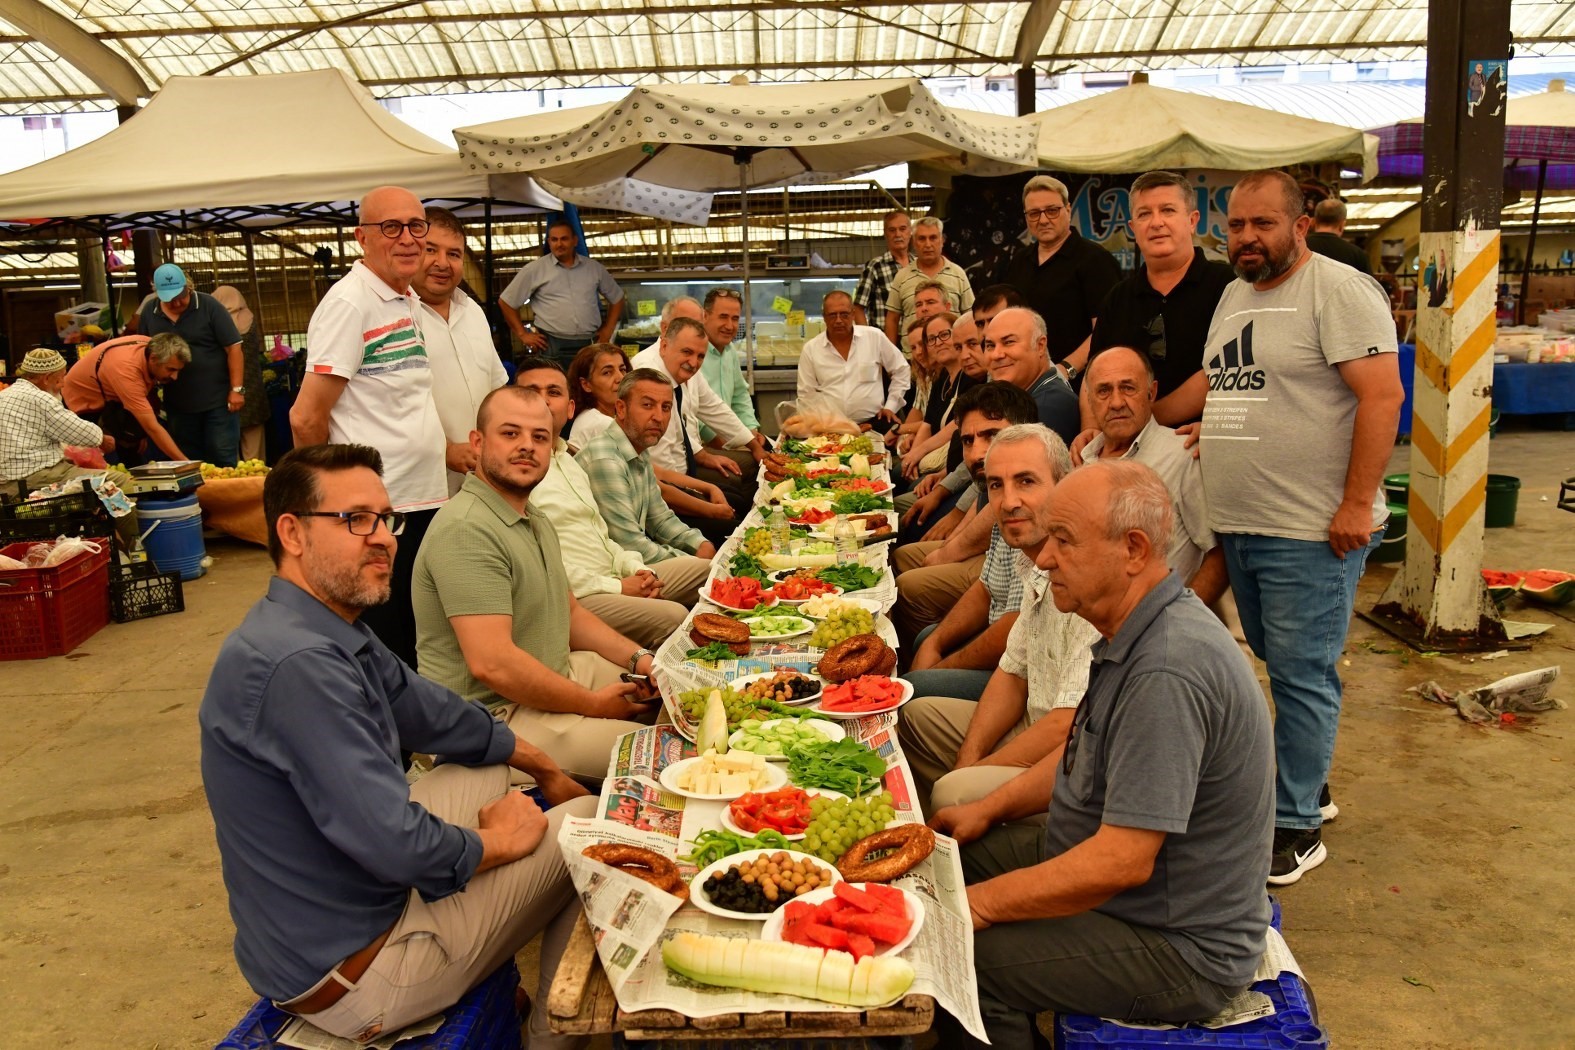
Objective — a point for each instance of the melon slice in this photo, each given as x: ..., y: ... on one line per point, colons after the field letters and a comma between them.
x: 791, y: 969
x: 1548, y: 586
x: 1502, y: 586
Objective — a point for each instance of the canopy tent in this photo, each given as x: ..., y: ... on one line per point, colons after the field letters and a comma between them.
x: 1538, y: 130
x: 664, y: 150
x: 295, y: 147
x: 1141, y: 127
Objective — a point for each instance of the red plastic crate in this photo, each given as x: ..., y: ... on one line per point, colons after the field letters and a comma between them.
x: 49, y: 612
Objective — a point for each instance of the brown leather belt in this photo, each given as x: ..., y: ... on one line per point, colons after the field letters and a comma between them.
x: 332, y: 991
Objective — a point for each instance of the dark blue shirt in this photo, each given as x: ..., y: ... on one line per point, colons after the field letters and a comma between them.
x: 1057, y: 405
x: 302, y: 725
x: 208, y: 329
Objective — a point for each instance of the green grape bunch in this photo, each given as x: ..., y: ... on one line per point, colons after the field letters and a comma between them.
x: 837, y: 823
x: 842, y: 625
x: 757, y: 542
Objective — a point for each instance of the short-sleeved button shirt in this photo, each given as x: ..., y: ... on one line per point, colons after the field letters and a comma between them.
x: 1066, y: 289
x: 481, y: 557
x: 906, y: 282
x: 564, y: 298
x: 1175, y: 345
x: 208, y: 329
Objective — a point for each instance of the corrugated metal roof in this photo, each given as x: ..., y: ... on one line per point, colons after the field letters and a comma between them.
x: 480, y: 45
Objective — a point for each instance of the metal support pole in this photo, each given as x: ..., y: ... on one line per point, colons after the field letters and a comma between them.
x: 145, y: 256
x: 749, y: 324
x: 1027, y: 85
x: 251, y: 268
x: 1437, y: 600
x: 1531, y: 240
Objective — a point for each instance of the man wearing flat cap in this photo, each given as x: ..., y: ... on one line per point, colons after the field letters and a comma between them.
x: 35, y: 425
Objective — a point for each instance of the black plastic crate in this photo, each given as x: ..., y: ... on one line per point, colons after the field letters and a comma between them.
x: 137, y: 592
x: 78, y: 514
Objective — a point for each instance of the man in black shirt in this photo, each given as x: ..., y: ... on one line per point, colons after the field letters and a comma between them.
x: 1165, y: 307
x: 1327, y: 236
x: 1061, y: 276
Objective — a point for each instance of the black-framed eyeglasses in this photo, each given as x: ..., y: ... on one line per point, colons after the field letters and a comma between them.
x: 1069, y: 752
x: 1035, y: 214
x: 1156, y: 336
x: 360, y: 522
x: 943, y: 336
x: 392, y: 228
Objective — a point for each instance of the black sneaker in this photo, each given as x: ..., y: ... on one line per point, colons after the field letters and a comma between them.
x: 1326, y: 807
x: 1296, y: 852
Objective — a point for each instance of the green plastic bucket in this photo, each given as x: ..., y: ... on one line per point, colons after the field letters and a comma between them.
x: 1503, y: 495
x: 1392, y: 546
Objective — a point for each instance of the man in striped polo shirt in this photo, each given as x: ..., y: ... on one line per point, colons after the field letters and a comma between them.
x: 368, y: 382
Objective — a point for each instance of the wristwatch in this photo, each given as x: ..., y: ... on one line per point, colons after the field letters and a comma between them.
x: 634, y: 661
x: 237, y: 390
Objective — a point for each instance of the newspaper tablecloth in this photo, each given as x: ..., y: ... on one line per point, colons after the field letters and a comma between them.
x: 630, y: 918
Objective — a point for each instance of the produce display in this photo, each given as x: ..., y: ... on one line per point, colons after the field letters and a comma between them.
x: 642, y: 864
x: 836, y: 824
x: 811, y: 515
x: 854, y: 919
x: 786, y: 810
x: 788, y: 969
x: 887, y: 854
x: 779, y: 738
x: 246, y: 468
x: 720, y: 775
x: 801, y: 586
x: 851, y: 577
x: 846, y: 766
x: 863, y: 654
x: 864, y: 695
x: 739, y: 709
x: 766, y: 882
x: 740, y: 592
x: 711, y: 845
x: 845, y: 621
x: 757, y: 541
x: 859, y: 485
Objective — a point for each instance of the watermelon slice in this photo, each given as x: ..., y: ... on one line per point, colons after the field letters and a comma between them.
x: 1548, y: 586
x: 891, y: 899
x: 859, y: 945
x: 883, y: 929
x: 1501, y: 586
x: 856, y: 898
x: 827, y: 937
x: 796, y: 915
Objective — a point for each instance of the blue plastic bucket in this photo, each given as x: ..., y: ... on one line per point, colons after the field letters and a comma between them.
x: 175, y: 544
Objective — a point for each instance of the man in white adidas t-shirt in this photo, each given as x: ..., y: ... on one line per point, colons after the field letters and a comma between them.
x: 368, y: 382
x: 1300, y: 418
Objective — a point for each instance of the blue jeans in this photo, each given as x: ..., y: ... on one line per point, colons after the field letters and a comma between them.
x: 213, y: 436
x: 957, y: 683
x: 1295, y: 598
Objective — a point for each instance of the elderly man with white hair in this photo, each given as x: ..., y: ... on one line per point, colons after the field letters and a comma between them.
x: 927, y: 266
x: 35, y: 425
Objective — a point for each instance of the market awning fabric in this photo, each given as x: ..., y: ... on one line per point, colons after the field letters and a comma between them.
x: 1142, y: 127
x: 224, y: 142
x: 665, y: 149
x: 1536, y: 128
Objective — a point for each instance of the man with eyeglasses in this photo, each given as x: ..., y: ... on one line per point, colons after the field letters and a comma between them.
x: 1164, y: 309
x: 369, y: 382
x: 1061, y: 276
x: 929, y: 266
x: 360, y: 902
x: 202, y: 405
x: 565, y: 290
x: 1141, y: 897
x: 842, y: 368
x: 869, y: 298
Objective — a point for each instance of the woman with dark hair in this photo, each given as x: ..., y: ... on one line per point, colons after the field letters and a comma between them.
x: 594, y: 375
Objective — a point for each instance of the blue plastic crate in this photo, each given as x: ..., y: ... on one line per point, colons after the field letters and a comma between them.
x: 485, y: 1019
x: 1294, y: 1026
x: 1274, y: 912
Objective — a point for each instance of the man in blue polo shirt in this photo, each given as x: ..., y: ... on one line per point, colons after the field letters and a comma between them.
x: 360, y: 902
x: 202, y: 405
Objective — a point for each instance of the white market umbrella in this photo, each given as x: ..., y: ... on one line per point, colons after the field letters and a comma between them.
x: 664, y: 150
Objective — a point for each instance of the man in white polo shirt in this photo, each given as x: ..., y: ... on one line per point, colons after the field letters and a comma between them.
x: 465, y: 364
x: 368, y: 382
x: 842, y: 367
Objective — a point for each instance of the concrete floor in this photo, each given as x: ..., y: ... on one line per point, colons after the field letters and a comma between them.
x: 1442, y: 918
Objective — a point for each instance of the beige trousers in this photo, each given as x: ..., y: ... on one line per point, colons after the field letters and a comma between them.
x: 931, y: 731
x: 648, y: 621
x: 926, y: 592
x: 438, y: 951
x: 581, y: 746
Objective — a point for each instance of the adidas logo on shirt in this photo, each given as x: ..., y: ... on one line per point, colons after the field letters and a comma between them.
x: 1231, y: 368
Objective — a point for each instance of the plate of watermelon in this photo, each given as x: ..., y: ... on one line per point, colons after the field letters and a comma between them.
x: 862, y: 918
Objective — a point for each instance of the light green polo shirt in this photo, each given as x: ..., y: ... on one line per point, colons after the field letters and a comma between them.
x: 481, y: 557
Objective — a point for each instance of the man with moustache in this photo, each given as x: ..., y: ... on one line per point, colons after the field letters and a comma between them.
x: 641, y: 591
x: 843, y: 367
x: 465, y: 366
x: 368, y: 382
x: 1303, y: 404
x: 362, y: 903
x: 723, y: 366
x: 965, y: 747
x: 1164, y: 309
x: 1140, y: 895
x: 496, y: 619
x: 929, y: 266
x: 564, y: 289
x: 869, y: 298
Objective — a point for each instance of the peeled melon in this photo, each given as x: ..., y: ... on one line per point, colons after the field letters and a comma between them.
x: 1548, y: 586
x: 788, y: 969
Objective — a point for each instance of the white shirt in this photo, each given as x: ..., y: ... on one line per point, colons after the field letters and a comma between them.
x: 853, y: 385
x: 587, y: 425
x: 1165, y: 452
x: 593, y: 562
x: 465, y: 367
x: 701, y: 405
x: 368, y: 333
x: 1048, y: 647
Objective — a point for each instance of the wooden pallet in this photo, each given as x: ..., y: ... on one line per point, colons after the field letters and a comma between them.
x: 582, y: 1003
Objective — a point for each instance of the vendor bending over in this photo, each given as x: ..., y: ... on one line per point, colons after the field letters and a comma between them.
x: 1143, y: 897
x: 346, y: 884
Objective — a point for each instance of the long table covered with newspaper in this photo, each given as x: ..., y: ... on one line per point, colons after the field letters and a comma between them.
x: 652, y: 964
